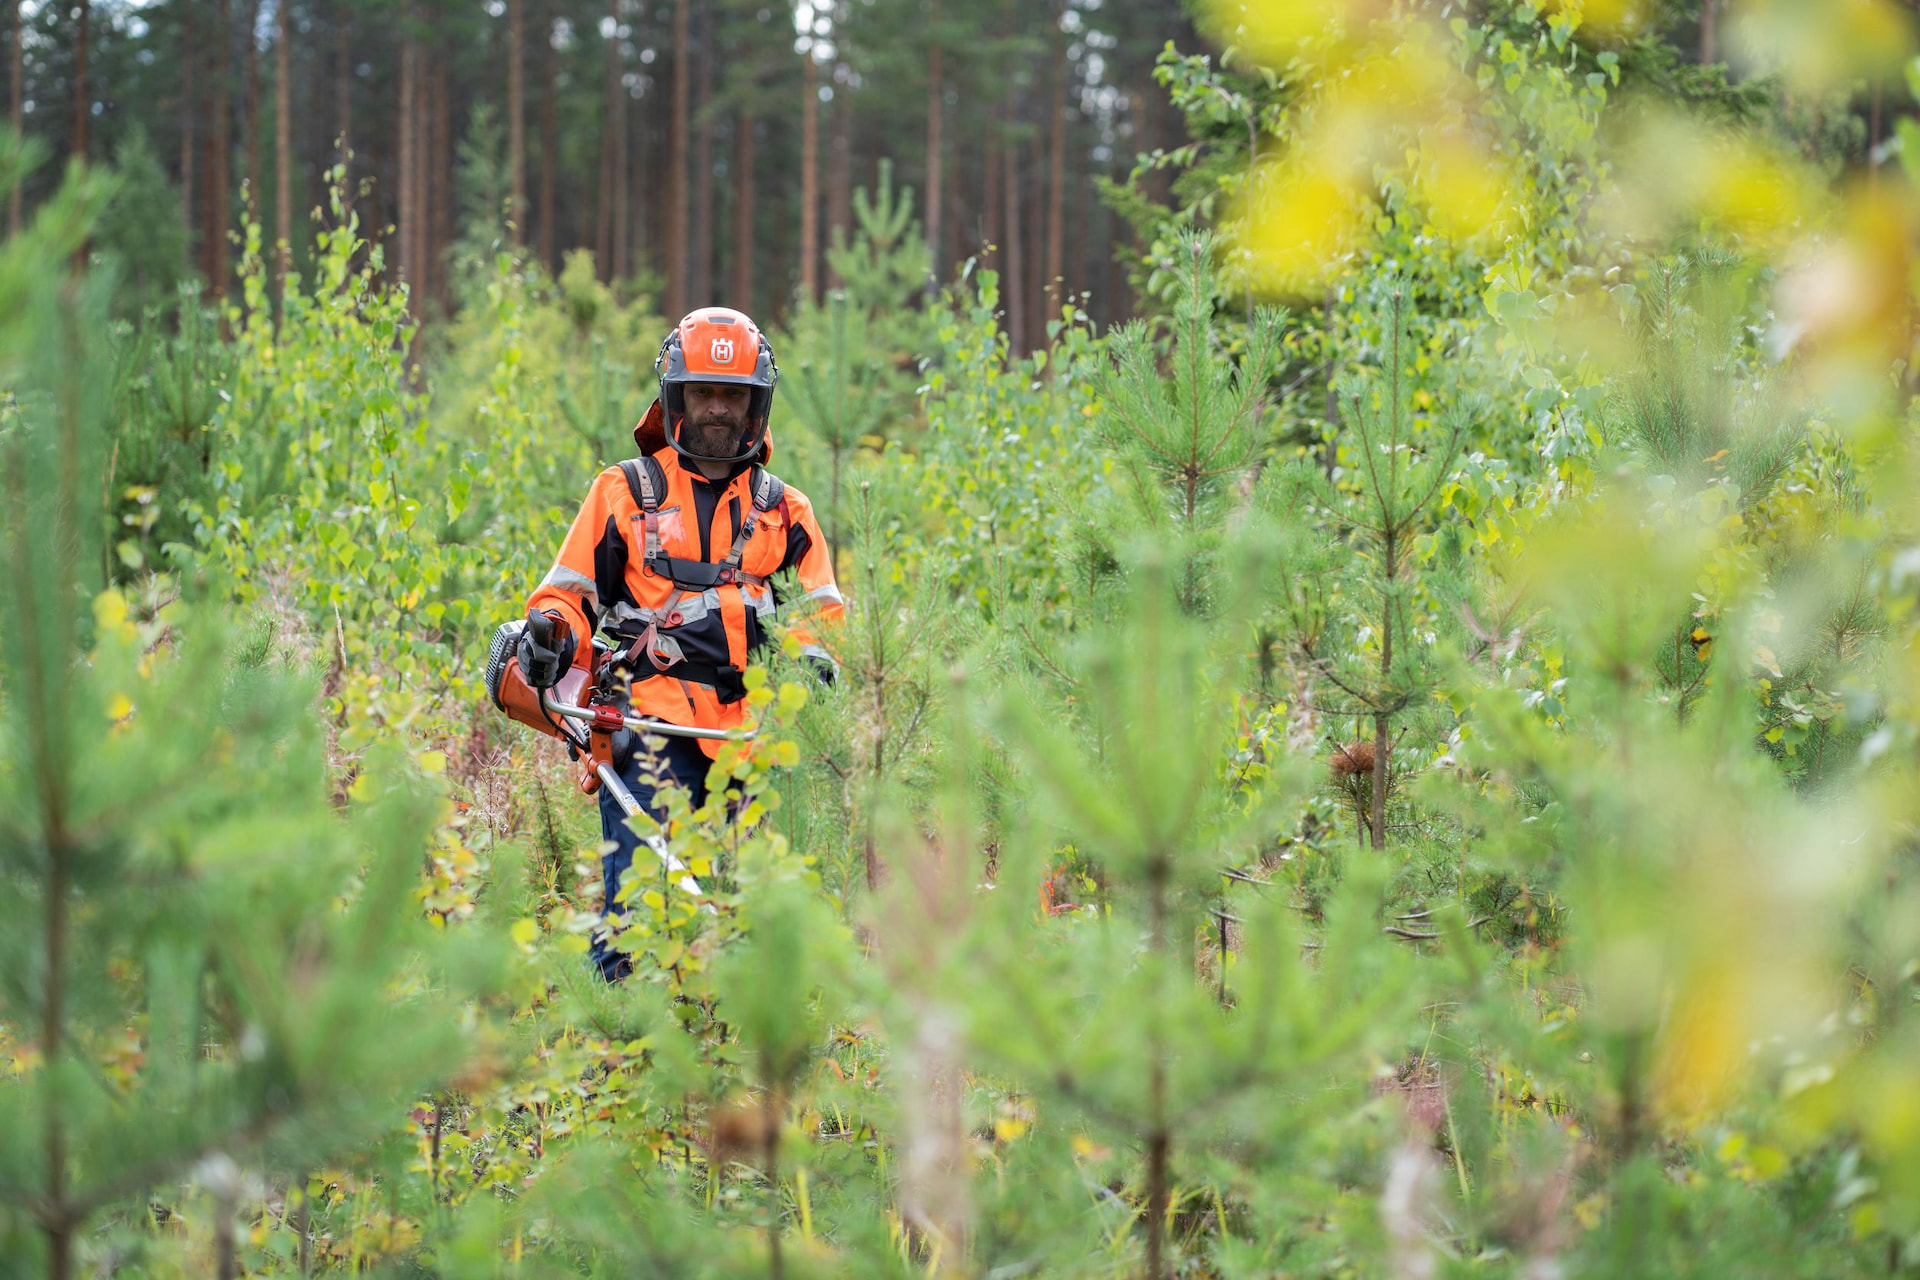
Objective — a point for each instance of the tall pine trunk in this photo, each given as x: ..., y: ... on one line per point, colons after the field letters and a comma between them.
x: 440, y: 178
x: 189, y: 104
x: 677, y: 246
x: 549, y: 142
x: 516, y: 119
x: 409, y: 213
x: 20, y: 128
x: 603, y: 220
x: 700, y: 275
x: 1053, y: 289
x: 250, y: 79
x: 621, y: 149
x: 221, y: 146
x: 343, y: 89
x: 82, y: 113
x: 1709, y: 32
x: 743, y: 198
x: 936, y: 154
x: 809, y: 175
x: 283, y: 144
x: 1013, y: 276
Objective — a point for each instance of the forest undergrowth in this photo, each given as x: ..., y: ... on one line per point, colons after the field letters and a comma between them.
x: 1405, y: 771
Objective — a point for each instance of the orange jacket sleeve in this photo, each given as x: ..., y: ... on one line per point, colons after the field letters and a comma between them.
x: 569, y: 588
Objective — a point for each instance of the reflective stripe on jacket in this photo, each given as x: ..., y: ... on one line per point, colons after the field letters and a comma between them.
x: 691, y: 641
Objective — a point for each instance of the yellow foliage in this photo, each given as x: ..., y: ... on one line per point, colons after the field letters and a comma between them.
x: 1821, y: 44
x: 1701, y: 1050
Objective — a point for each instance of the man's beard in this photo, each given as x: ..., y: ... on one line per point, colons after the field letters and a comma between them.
x: 715, y: 439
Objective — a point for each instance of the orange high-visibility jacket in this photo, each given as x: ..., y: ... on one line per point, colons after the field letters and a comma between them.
x: 690, y: 604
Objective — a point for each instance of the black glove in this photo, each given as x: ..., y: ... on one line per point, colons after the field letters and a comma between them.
x: 546, y: 649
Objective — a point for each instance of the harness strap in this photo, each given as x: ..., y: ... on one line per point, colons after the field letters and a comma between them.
x: 647, y: 482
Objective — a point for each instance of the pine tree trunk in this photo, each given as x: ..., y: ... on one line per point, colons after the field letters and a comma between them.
x: 678, y: 247
x: 549, y: 143
x: 189, y: 101
x: 622, y: 215
x: 20, y: 128
x: 700, y: 276
x: 221, y: 143
x: 936, y: 155
x: 82, y: 107
x: 1390, y: 567
x: 1709, y: 32
x: 809, y: 176
x: 283, y: 145
x: 407, y: 268
x: 993, y: 200
x: 743, y: 198
x: 439, y: 183
x: 516, y: 119
x: 1159, y: 1192
x: 839, y: 176
x: 603, y: 222
x: 256, y: 188
x: 1013, y: 278
x: 1052, y: 287
x: 343, y: 95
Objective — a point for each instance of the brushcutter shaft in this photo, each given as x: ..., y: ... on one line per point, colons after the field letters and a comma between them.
x: 629, y: 806
x: 642, y: 724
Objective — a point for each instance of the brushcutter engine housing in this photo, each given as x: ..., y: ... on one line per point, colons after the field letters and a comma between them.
x: 521, y: 701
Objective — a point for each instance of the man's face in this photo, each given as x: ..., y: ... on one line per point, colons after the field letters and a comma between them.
x: 716, y: 414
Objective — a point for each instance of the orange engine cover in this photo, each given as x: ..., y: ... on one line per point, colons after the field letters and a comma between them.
x: 513, y: 695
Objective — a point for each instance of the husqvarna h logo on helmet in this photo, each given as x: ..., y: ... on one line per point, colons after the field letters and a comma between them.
x: 723, y: 350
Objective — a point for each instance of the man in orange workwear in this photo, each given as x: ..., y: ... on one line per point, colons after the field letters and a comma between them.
x: 673, y: 557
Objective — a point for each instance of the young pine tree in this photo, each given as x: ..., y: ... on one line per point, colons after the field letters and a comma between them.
x: 1354, y: 588
x: 1185, y: 428
x: 1103, y: 1017
x: 201, y: 964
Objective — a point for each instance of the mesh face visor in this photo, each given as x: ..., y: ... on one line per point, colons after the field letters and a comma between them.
x: 726, y: 348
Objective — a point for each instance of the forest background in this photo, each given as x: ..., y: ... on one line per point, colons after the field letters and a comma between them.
x: 1379, y: 713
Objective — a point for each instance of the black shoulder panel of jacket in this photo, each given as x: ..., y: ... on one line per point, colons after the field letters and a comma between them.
x: 799, y: 542
x: 610, y: 568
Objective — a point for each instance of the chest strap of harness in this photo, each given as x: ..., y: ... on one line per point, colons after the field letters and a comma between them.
x: 647, y: 482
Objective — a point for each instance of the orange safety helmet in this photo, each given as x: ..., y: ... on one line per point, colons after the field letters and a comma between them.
x: 712, y: 344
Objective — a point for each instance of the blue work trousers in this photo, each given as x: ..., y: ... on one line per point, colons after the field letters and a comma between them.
x: 682, y: 760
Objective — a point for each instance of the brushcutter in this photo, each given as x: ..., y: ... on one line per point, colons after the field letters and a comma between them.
x: 587, y: 710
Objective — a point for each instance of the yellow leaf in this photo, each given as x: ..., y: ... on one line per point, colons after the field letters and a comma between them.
x: 109, y: 609
x: 653, y: 899
x: 432, y: 761
x: 792, y: 698
x: 119, y: 707
x: 524, y: 932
